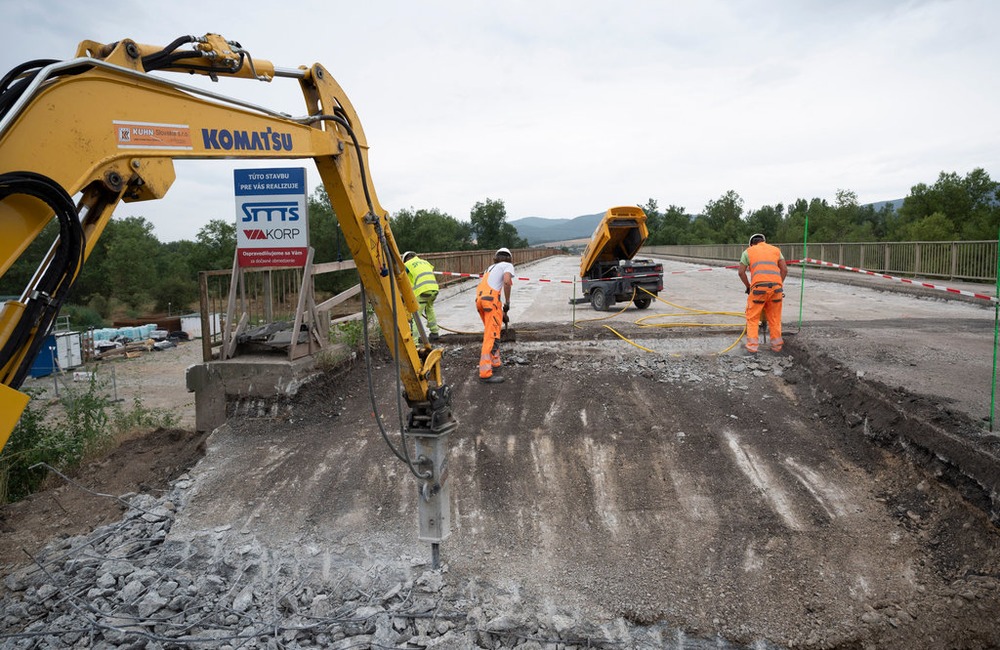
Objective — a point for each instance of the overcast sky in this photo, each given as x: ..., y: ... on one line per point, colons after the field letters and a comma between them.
x: 561, y: 109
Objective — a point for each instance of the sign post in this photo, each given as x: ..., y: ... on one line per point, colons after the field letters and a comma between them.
x: 272, y: 225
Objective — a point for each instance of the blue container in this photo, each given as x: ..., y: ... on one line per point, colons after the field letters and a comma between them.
x: 45, y: 362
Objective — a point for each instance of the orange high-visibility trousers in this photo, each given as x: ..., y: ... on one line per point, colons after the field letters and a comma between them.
x: 491, y: 312
x: 764, y: 297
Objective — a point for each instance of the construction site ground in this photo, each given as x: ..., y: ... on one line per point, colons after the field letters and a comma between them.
x: 668, y: 490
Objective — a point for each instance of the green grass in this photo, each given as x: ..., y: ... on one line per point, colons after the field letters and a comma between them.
x: 83, y: 423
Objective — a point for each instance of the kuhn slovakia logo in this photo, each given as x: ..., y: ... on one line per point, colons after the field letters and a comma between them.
x: 270, y: 211
x: 229, y: 140
x: 271, y: 233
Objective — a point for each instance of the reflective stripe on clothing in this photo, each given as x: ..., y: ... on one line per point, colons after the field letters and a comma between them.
x: 761, y: 292
x: 766, y: 293
x: 425, y: 308
x: 421, y: 274
x: 491, y: 313
x: 766, y: 299
x: 426, y: 302
x: 762, y: 260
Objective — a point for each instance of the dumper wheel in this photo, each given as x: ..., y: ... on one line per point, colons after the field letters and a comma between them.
x: 643, y: 302
x: 599, y: 300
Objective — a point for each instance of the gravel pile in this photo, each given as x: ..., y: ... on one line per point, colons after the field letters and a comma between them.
x: 128, y: 585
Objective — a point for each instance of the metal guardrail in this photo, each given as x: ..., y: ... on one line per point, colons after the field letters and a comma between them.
x: 970, y: 261
x: 268, y: 295
x: 475, y: 262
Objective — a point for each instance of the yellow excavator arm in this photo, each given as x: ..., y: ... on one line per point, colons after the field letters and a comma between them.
x: 101, y: 127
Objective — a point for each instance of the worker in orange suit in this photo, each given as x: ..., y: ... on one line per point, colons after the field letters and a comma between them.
x: 764, y: 290
x: 497, y: 281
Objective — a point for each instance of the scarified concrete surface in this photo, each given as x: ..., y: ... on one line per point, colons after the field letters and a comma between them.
x: 837, y: 495
x: 725, y: 495
x: 718, y: 502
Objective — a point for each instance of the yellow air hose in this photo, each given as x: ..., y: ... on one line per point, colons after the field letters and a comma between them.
x: 644, y: 321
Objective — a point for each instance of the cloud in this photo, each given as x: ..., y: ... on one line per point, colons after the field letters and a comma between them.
x: 565, y: 108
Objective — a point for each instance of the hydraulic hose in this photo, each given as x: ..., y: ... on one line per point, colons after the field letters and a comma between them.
x: 17, y: 81
x: 402, y: 453
x: 19, y: 70
x: 164, y: 57
x: 44, y: 299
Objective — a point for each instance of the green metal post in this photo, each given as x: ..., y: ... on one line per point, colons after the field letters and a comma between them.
x: 996, y: 331
x: 805, y: 254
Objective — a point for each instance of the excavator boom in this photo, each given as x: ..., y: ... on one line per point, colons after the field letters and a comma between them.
x: 103, y: 128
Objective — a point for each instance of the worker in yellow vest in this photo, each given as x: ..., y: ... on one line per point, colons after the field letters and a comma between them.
x: 425, y: 287
x: 764, y: 290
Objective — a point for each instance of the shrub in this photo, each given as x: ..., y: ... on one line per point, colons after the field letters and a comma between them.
x: 101, y: 305
x: 141, y: 418
x: 82, y: 317
x: 88, y: 423
x: 352, y: 333
x: 28, y: 445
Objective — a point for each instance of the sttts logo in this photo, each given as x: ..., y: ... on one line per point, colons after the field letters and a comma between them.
x: 277, y: 211
x: 271, y: 233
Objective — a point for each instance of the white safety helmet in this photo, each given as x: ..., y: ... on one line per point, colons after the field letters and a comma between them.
x: 504, y: 251
x: 407, y: 255
x: 757, y: 238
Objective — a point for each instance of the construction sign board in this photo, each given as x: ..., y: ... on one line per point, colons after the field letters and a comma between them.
x: 272, y: 225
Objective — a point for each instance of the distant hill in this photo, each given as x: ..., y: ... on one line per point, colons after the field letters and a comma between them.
x: 543, y: 231
x: 538, y: 230
x: 896, y: 205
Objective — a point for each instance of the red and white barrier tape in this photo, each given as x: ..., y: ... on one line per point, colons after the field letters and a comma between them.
x: 926, y: 285
x: 547, y: 280
x: 708, y: 268
x: 478, y: 275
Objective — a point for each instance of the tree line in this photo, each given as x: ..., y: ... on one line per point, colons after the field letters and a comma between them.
x: 131, y: 273
x: 954, y: 208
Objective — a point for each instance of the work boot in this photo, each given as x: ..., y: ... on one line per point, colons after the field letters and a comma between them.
x: 492, y: 379
x: 435, y: 336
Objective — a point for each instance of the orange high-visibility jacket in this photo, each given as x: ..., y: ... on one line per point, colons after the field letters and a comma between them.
x: 764, y: 263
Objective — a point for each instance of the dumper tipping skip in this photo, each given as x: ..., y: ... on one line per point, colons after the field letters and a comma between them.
x: 608, y: 271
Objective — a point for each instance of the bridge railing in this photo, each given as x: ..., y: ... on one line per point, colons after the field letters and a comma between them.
x: 969, y: 261
x: 475, y: 262
x: 269, y: 294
